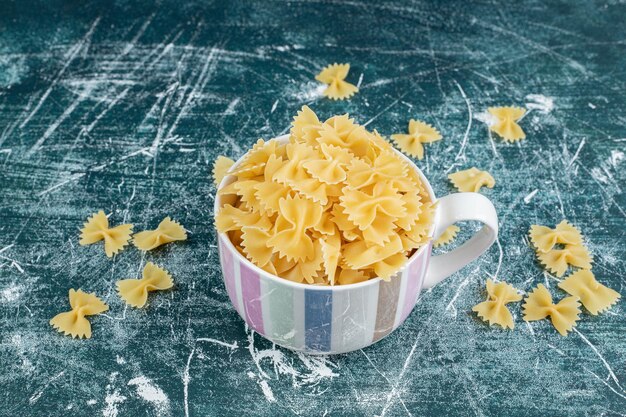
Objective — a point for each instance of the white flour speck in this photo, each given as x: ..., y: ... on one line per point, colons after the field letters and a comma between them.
x: 486, y: 118
x: 11, y: 293
x: 120, y: 360
x: 540, y: 102
x: 150, y: 392
x: 616, y: 157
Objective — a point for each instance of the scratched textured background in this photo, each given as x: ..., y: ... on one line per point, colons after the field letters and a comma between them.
x: 124, y: 108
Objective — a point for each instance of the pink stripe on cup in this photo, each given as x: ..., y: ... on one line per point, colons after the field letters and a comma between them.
x: 251, y: 292
x: 228, y: 269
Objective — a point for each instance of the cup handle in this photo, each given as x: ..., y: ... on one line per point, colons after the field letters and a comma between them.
x: 454, y: 208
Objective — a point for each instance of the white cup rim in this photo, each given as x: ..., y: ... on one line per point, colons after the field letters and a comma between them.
x: 373, y: 281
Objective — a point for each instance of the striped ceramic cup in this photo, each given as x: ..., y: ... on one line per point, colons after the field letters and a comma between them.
x: 328, y: 320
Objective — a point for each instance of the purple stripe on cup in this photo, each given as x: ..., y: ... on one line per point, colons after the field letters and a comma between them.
x: 228, y: 268
x: 251, y: 292
x: 413, y: 286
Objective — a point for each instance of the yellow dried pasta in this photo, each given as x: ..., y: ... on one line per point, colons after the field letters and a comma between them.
x: 220, y: 167
x: 505, y: 123
x: 334, y: 75
x: 419, y: 133
x: 494, y: 309
x: 564, y: 315
x: 135, y: 291
x: 73, y: 323
x: 333, y: 205
x: 544, y: 238
x: 97, y: 228
x: 558, y: 260
x: 447, y: 236
x: 594, y: 296
x: 167, y: 231
x: 471, y: 180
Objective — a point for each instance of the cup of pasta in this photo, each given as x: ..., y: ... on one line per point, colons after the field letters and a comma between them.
x: 325, y: 235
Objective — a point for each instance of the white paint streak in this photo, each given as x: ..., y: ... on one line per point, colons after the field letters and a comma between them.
x: 540, y: 103
x: 152, y: 393
x: 597, y: 352
x: 530, y: 196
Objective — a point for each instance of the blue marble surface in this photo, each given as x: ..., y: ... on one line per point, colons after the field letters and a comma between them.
x: 123, y: 107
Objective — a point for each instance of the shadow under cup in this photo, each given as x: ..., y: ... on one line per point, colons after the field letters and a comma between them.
x: 321, y: 319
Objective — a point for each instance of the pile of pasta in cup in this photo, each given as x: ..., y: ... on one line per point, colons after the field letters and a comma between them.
x: 333, y: 205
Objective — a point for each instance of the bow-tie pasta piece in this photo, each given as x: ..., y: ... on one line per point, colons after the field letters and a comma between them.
x: 419, y: 133
x: 167, y: 231
x: 362, y: 207
x: 73, y: 323
x: 505, y: 123
x: 296, y: 216
x: 135, y: 291
x: 220, y: 168
x: 544, y: 238
x: 334, y: 75
x: 471, y: 180
x: 558, y: 260
x: 330, y: 169
x: 97, y: 228
x: 447, y: 236
x: 494, y: 310
x: 307, y: 270
x: 564, y: 315
x: 594, y: 296
x: 389, y: 266
x: 231, y: 218
x: 305, y: 127
x: 254, y: 245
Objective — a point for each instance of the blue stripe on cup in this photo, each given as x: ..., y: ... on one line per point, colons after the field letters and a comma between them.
x: 318, y: 316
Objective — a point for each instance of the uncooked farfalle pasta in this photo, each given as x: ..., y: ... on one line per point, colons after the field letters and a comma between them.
x: 167, y: 231
x: 471, y: 180
x: 333, y: 205
x: 564, y: 315
x: 505, y: 123
x: 594, y: 296
x: 97, y: 228
x: 571, y: 252
x: 494, y: 309
x: 73, y: 323
x: 447, y: 236
x: 338, y: 88
x: 135, y: 291
x: 419, y: 133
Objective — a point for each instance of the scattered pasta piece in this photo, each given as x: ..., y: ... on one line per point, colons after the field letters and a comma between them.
x: 334, y: 75
x: 557, y: 260
x: 135, y: 291
x: 73, y: 323
x: 564, y: 315
x: 594, y: 296
x: 544, y: 238
x: 220, y: 168
x: 167, y: 231
x: 471, y: 180
x: 334, y: 205
x: 97, y: 228
x: 419, y: 133
x: 447, y: 236
x: 494, y: 310
x: 506, y: 122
